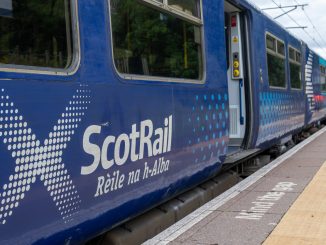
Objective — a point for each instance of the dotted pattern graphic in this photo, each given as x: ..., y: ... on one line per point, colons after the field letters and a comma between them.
x: 280, y: 113
x: 34, y: 160
x: 209, y: 123
x: 309, y: 85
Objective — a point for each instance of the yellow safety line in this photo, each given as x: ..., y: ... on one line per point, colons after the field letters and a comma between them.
x: 305, y: 222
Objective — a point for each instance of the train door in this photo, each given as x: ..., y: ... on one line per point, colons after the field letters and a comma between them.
x: 236, y: 78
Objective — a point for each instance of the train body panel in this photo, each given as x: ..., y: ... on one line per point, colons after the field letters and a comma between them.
x: 316, y: 106
x: 279, y: 111
x: 84, y: 152
x: 86, y: 148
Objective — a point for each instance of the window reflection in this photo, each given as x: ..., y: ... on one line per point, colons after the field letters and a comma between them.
x: 275, y: 50
x: 188, y: 6
x: 35, y: 33
x: 295, y: 70
x: 276, y: 71
x: 149, y: 42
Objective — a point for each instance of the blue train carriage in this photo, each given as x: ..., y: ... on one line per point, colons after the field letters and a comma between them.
x: 279, y: 84
x: 104, y: 116
x: 267, y: 101
x: 315, y: 87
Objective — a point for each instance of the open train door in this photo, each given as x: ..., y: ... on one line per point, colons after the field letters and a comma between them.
x: 236, y: 76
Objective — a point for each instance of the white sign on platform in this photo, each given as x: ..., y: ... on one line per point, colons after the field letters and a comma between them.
x: 264, y: 203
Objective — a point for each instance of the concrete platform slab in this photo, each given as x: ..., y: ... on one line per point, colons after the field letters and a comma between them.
x: 305, y: 161
x: 305, y: 222
x: 289, y: 171
x: 253, y: 208
x: 225, y: 229
x: 268, y: 183
x: 252, y: 203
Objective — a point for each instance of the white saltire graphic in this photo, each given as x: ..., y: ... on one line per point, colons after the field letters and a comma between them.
x: 309, y: 87
x: 34, y: 160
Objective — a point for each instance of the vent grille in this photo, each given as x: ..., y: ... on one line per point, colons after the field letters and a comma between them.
x: 234, y: 128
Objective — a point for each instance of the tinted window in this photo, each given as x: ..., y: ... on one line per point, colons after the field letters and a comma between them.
x: 270, y: 41
x: 188, y: 6
x: 280, y: 48
x: 276, y: 71
x: 295, y: 68
x: 298, y: 57
x: 292, y: 53
x: 36, y: 33
x: 147, y: 41
x: 323, y: 83
x: 323, y: 78
x: 295, y: 73
x: 275, y: 62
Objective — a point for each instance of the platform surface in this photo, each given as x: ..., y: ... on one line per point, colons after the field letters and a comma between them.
x: 250, y: 212
x: 305, y: 222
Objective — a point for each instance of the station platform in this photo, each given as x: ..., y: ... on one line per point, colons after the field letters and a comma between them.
x: 282, y: 203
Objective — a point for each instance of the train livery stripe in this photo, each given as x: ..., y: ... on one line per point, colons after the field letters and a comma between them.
x: 309, y: 87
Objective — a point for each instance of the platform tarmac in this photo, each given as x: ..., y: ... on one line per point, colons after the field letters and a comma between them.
x: 284, y: 202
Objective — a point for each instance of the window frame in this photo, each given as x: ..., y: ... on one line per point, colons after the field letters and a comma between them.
x: 322, y: 74
x: 278, y: 55
x: 165, y: 8
x: 296, y: 51
x: 75, y: 56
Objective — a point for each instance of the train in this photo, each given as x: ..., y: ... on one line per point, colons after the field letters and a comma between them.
x: 108, y: 108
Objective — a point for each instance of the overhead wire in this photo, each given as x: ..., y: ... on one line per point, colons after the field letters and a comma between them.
x: 307, y: 33
x: 313, y: 26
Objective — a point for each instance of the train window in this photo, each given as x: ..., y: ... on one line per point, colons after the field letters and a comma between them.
x: 322, y: 70
x: 152, y: 42
x: 323, y: 78
x: 36, y: 33
x: 295, y: 68
x: 292, y: 54
x: 275, y: 62
x: 298, y: 57
x: 271, y: 43
x: 280, y: 48
x: 191, y: 7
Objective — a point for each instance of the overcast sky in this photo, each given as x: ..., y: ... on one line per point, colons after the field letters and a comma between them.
x: 316, y: 11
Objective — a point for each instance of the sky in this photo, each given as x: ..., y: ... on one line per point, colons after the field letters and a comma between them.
x: 315, y: 33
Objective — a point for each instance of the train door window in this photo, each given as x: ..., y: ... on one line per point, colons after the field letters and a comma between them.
x: 36, y: 33
x: 323, y: 78
x: 151, y: 40
x: 275, y: 50
x: 295, y: 68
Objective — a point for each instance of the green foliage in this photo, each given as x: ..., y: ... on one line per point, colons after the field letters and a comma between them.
x: 144, y: 37
x: 35, y: 35
x: 295, y: 73
x: 276, y: 71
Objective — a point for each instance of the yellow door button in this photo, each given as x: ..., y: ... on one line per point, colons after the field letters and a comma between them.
x: 236, y: 73
x: 236, y: 64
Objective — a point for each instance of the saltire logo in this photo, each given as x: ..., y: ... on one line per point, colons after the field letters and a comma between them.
x: 309, y: 86
x: 36, y: 161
